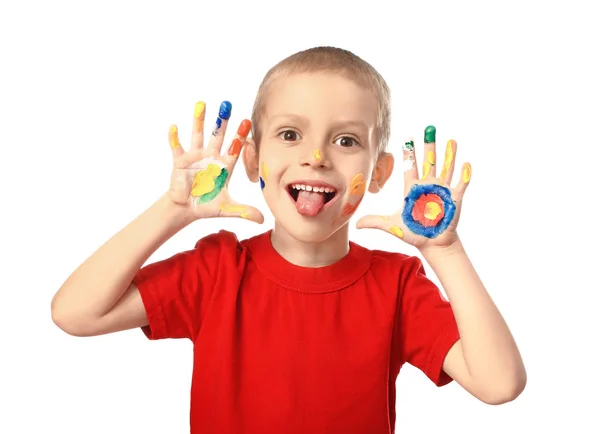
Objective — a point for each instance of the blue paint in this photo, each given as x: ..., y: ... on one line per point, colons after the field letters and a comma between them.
x: 217, y: 127
x: 225, y: 110
x: 262, y: 183
x: 414, y: 194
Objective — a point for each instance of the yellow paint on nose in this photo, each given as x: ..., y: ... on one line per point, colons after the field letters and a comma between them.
x: 317, y: 155
x: 432, y: 210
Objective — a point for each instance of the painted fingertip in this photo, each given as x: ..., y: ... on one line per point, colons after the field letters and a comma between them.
x: 200, y: 109
x: 466, y: 173
x: 244, y: 128
x: 174, y: 137
x: 225, y: 110
x: 430, y: 134
x: 409, y: 144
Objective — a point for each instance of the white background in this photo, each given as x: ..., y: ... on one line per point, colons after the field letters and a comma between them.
x: 88, y: 91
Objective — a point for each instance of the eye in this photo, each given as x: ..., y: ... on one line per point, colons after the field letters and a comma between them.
x: 289, y: 135
x: 346, y: 142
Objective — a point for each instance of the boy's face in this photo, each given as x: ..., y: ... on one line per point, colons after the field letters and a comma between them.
x: 317, y: 154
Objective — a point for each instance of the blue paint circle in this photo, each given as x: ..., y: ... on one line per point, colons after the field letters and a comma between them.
x: 414, y: 194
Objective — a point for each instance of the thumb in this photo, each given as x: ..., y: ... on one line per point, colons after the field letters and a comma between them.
x: 372, y: 221
x: 234, y: 209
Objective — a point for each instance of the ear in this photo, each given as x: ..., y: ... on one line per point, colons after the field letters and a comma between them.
x: 250, y: 157
x: 382, y: 172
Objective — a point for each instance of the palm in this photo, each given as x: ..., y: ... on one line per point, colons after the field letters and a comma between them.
x: 200, y: 176
x: 430, y: 211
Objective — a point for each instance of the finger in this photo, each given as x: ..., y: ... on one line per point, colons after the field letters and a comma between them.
x: 411, y: 173
x: 186, y: 159
x: 465, y: 178
x: 238, y: 143
x: 174, y: 141
x: 383, y: 223
x: 198, y: 130
x: 234, y: 209
x: 216, y: 141
x: 449, y: 161
x: 429, y: 150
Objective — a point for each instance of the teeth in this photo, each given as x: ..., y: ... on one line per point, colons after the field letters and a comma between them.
x: 315, y: 189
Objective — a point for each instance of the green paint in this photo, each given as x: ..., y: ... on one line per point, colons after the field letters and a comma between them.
x: 219, y: 184
x: 409, y: 146
x: 430, y: 134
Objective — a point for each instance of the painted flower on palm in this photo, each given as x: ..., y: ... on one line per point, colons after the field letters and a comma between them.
x: 428, y: 210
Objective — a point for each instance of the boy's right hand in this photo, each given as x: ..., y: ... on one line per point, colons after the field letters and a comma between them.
x: 201, y: 175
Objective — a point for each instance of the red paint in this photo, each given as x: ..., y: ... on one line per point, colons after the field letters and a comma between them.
x: 418, y: 212
x: 244, y: 128
x: 236, y: 147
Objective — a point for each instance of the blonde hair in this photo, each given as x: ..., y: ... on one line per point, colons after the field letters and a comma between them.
x: 329, y: 59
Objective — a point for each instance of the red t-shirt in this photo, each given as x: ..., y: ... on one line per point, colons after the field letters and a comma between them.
x: 280, y: 348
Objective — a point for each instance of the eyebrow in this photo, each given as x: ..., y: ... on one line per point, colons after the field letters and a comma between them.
x: 337, y: 124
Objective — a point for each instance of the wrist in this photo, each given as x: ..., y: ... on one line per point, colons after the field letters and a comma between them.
x: 177, y: 214
x: 449, y: 250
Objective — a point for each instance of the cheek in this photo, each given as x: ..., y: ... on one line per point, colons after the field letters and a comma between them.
x: 263, y: 174
x: 356, y: 192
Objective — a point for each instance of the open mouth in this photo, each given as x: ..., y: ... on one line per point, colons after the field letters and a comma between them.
x: 328, y: 192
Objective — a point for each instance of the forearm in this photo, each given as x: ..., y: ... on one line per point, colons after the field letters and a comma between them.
x: 490, y: 352
x: 100, y: 282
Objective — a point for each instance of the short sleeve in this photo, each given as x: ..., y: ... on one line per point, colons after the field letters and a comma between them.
x: 427, y: 327
x: 176, y: 291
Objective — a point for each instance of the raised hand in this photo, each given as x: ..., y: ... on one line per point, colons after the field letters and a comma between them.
x: 201, y: 175
x: 429, y: 213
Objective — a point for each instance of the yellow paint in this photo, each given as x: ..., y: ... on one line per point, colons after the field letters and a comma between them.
x: 199, y: 110
x: 235, y: 208
x: 174, y: 138
x: 426, y: 169
x: 466, y: 175
x: 357, y: 185
x: 265, y: 172
x: 427, y: 165
x: 397, y: 231
x: 432, y: 210
x: 317, y: 155
x: 204, y: 180
x: 448, y: 159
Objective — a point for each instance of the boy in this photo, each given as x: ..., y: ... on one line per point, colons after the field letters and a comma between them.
x: 298, y: 330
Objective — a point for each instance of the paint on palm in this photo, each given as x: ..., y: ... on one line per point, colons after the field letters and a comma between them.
x: 428, y: 209
x: 209, y: 180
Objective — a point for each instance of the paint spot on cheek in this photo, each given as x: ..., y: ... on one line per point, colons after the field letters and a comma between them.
x: 395, y: 230
x: 357, y: 185
x: 264, y: 175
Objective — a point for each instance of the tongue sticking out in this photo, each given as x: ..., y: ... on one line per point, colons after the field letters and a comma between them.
x: 310, y: 203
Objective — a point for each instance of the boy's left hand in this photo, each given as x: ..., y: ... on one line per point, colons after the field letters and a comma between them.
x: 431, y: 208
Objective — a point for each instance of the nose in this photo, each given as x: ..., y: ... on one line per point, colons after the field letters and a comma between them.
x: 316, y: 158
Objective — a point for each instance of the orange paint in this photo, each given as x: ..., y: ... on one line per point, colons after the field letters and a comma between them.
x: 244, y: 128
x: 235, y: 148
x: 350, y: 208
x: 357, y: 185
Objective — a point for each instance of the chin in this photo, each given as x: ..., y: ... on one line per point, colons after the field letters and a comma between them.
x: 308, y: 232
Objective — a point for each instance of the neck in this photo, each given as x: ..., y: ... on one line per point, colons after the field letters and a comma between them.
x: 310, y: 254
